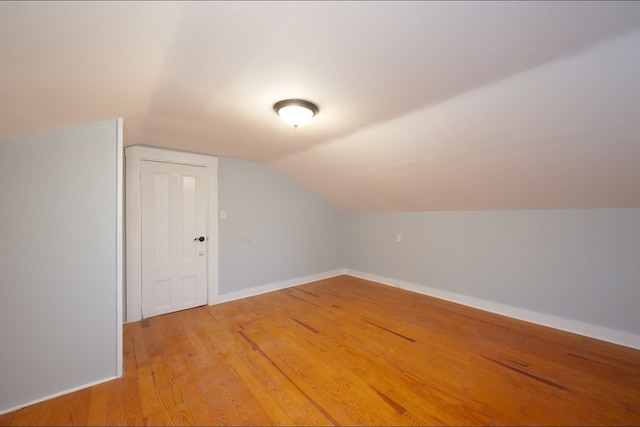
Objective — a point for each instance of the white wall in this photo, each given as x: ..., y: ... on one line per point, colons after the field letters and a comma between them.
x: 275, y: 230
x: 60, y: 249
x: 580, y: 265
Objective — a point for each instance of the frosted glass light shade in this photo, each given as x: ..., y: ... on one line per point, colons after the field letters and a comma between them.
x: 295, y: 112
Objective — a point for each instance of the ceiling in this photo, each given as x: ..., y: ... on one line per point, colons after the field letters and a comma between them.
x: 423, y: 105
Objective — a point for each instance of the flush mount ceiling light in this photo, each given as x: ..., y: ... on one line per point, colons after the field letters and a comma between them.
x: 295, y: 112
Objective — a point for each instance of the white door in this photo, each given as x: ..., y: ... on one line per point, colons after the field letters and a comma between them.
x: 174, y: 237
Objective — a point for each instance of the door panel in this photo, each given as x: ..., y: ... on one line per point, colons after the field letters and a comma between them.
x: 173, y: 217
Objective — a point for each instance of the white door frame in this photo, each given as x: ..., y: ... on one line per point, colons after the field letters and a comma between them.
x: 134, y: 155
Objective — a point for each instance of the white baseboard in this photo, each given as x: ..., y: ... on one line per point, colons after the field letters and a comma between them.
x: 598, y: 332
x: 53, y: 396
x: 245, y: 293
x: 580, y: 328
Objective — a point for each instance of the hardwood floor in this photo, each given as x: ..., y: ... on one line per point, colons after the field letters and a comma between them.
x: 346, y: 351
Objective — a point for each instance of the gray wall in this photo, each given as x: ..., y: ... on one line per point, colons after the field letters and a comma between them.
x: 275, y: 230
x: 582, y: 265
x: 58, y: 284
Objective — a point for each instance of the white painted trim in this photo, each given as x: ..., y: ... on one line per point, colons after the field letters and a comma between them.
x: 58, y: 394
x: 258, y: 290
x: 134, y: 156
x: 119, y: 245
x: 598, y: 332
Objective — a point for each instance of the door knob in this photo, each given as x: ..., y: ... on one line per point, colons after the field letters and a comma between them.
x: 199, y: 239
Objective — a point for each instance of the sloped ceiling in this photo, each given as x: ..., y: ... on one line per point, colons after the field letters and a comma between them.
x: 423, y: 105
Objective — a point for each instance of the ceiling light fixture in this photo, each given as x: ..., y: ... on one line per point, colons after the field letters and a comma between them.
x: 295, y: 112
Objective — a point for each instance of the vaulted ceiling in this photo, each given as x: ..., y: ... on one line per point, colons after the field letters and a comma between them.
x: 423, y: 105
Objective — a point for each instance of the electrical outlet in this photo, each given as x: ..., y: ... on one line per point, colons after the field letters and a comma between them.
x: 398, y: 238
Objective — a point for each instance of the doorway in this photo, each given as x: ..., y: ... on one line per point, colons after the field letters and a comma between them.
x: 171, y: 235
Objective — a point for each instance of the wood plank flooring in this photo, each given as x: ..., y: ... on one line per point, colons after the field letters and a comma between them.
x: 345, y: 351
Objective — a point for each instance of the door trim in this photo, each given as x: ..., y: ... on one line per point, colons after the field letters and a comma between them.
x: 134, y: 155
